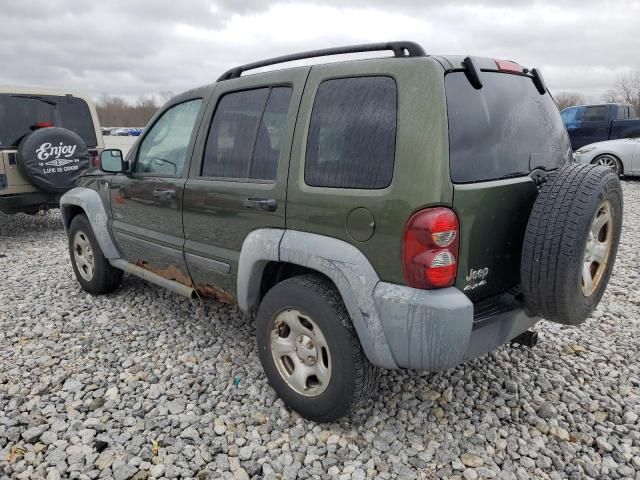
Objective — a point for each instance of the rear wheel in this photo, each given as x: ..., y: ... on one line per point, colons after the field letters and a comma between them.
x: 610, y: 162
x: 310, y: 351
x: 571, y: 243
x: 93, y: 271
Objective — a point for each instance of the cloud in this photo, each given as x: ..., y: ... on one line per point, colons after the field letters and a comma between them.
x: 131, y: 48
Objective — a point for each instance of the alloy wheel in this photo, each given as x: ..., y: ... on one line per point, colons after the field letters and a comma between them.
x: 83, y: 255
x: 598, y: 249
x: 301, y: 353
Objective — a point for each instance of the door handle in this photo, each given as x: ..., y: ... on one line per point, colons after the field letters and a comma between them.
x: 265, y: 204
x: 164, y: 194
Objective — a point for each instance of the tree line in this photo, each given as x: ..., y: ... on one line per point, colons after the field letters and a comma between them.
x: 626, y: 89
x: 114, y: 111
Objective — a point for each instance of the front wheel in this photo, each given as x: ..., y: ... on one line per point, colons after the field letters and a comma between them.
x: 93, y: 271
x: 310, y: 351
x: 610, y: 162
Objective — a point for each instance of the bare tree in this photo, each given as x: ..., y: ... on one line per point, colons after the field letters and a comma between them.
x: 165, y: 96
x: 568, y: 99
x: 117, y: 112
x: 626, y: 89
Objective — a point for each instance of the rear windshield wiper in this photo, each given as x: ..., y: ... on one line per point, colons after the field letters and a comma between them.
x: 37, y: 97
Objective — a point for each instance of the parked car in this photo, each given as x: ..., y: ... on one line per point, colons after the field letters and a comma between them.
x: 48, y: 138
x: 370, y: 213
x: 622, y: 156
x: 106, y: 131
x: 588, y: 124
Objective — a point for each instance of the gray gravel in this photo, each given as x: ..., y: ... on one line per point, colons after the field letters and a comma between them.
x: 145, y: 384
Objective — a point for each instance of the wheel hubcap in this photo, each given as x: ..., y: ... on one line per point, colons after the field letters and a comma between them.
x: 598, y: 249
x: 301, y: 353
x: 608, y: 162
x: 83, y: 255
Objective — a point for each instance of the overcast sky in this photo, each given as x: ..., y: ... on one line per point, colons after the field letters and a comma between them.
x: 133, y: 47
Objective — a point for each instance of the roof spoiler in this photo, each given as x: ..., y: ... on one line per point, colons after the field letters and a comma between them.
x: 472, y: 72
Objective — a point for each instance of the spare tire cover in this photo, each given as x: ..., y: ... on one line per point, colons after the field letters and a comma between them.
x: 53, y: 158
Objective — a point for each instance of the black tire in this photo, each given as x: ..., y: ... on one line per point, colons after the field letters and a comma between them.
x: 352, y: 378
x: 105, y: 278
x: 555, y: 245
x: 614, y: 163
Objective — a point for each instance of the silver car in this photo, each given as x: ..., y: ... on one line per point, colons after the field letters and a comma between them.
x: 622, y: 155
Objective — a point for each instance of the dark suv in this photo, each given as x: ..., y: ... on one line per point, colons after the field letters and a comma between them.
x: 411, y: 211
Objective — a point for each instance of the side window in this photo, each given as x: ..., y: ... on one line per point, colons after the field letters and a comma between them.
x: 352, y: 134
x: 595, y: 114
x: 164, y: 148
x: 245, y: 138
x: 573, y: 116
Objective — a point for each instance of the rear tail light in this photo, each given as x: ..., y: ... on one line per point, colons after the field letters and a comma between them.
x: 430, y: 250
x: 94, y: 158
x: 43, y: 125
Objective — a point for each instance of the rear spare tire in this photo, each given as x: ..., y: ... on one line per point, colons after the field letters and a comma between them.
x: 571, y: 242
x: 53, y: 158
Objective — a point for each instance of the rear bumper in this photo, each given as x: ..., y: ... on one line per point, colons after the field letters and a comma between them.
x: 22, y: 202
x: 435, y: 329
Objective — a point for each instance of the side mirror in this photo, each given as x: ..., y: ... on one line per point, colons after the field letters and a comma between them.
x: 111, y: 160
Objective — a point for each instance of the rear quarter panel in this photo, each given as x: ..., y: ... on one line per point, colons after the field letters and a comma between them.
x: 421, y: 171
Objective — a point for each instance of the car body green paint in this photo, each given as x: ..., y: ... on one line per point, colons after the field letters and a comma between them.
x: 492, y: 214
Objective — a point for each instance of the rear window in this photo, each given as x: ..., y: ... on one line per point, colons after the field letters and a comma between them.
x: 20, y: 113
x: 505, y: 129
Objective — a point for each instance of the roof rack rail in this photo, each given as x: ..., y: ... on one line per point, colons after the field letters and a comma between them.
x: 400, y: 49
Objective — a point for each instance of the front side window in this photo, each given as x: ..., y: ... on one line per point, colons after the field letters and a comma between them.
x: 245, y: 138
x: 164, y: 149
x: 352, y: 133
x: 572, y: 115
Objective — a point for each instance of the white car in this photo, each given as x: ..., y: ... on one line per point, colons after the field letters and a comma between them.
x: 622, y: 155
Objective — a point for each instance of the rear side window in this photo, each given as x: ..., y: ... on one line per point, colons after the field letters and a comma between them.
x: 20, y: 113
x: 352, y: 134
x: 505, y: 129
x: 245, y: 138
x: 596, y: 113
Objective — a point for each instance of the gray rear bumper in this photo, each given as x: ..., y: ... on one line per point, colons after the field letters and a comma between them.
x: 434, y: 329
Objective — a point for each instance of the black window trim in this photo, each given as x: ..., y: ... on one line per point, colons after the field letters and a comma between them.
x: 147, y: 129
x: 246, y: 180
x: 308, y: 125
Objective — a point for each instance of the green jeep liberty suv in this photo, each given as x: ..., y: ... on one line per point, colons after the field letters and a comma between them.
x: 409, y: 211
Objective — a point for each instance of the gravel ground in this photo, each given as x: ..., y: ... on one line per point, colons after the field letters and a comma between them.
x: 143, y: 384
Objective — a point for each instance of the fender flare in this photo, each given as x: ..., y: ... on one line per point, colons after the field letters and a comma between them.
x: 90, y: 202
x: 345, y: 265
